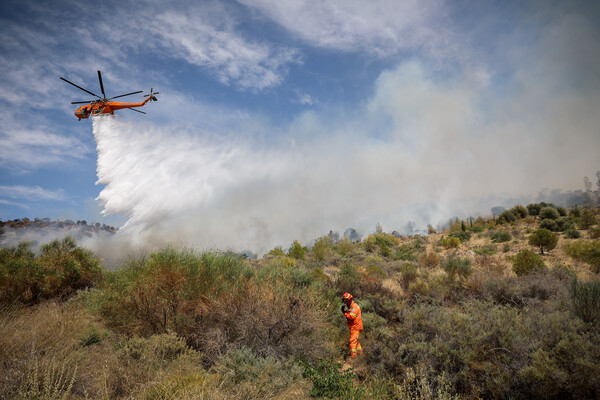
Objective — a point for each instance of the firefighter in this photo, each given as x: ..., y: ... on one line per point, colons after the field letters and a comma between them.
x: 352, y: 313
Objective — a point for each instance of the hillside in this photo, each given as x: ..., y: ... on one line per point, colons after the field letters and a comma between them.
x: 13, y: 231
x: 473, y: 311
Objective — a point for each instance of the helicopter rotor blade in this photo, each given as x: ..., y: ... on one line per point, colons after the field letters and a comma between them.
x: 133, y: 109
x: 82, y: 102
x: 123, y: 95
x: 101, y: 85
x: 79, y: 87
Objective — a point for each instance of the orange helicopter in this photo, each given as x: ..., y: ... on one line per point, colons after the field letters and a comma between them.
x: 104, y: 106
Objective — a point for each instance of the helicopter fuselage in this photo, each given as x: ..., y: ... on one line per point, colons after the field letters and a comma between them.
x: 100, y: 107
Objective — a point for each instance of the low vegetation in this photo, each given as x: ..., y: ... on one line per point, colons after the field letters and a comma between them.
x: 488, y: 308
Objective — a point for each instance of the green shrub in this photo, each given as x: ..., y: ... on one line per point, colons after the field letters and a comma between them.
x: 376, y: 270
x: 91, y: 336
x: 277, y: 251
x: 321, y: 248
x: 409, y: 274
x: 500, y: 237
x: 588, y: 218
x: 519, y: 211
x: 549, y: 224
x: 248, y: 375
x: 286, y: 262
x: 572, y: 233
x: 347, y: 280
x: 534, y: 209
x: 344, y: 246
x: 549, y: 213
x: 318, y: 274
x: 461, y: 235
x: 60, y: 270
x: 300, y: 278
x: 575, y: 212
x: 544, y: 239
x: 329, y: 380
x: 486, y: 250
x: 373, y: 260
x: 384, y: 250
x: 457, y: 266
x: 369, y: 244
x: 450, y: 242
x: 21, y: 274
x: 419, y: 287
x: 506, y: 216
x: 564, y: 223
x: 527, y: 262
x: 476, y: 228
x: 586, y: 251
x: 419, y: 243
x: 297, y: 251
x: 585, y: 297
x: 594, y: 233
x: 405, y: 253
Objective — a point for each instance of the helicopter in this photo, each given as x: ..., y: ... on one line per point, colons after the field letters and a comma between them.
x: 103, y: 105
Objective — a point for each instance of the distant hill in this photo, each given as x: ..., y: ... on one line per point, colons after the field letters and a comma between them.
x: 15, y: 230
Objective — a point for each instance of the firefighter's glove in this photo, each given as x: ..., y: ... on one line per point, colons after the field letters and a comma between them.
x: 344, y: 309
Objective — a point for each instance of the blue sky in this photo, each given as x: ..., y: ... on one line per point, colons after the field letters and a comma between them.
x: 283, y: 119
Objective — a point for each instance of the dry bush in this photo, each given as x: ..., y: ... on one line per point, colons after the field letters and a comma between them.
x: 429, y: 260
x: 493, y: 265
x: 270, y: 321
x: 167, y: 291
x: 41, y: 355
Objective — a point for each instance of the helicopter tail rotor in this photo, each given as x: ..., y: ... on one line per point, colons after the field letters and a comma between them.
x: 152, y: 97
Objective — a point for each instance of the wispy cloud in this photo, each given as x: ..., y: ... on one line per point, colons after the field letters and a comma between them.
x: 31, y: 193
x: 12, y: 203
x: 210, y: 43
x: 304, y: 98
x: 24, y: 147
x: 382, y: 27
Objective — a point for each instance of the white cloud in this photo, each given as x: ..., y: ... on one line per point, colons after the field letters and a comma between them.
x: 304, y: 98
x: 23, y: 147
x: 381, y: 27
x: 207, y: 43
x: 12, y: 203
x: 31, y: 193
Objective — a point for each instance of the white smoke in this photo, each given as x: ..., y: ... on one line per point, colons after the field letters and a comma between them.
x: 420, y: 150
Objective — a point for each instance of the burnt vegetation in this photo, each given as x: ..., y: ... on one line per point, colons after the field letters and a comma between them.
x: 500, y: 307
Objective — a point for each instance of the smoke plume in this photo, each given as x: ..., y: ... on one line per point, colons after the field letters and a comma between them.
x: 419, y: 150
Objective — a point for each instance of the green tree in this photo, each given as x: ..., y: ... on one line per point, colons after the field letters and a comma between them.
x: 297, y: 251
x: 506, y: 216
x: 549, y: 213
x: 519, y: 211
x: 534, y: 208
x: 497, y: 210
x: 587, y: 218
x: 575, y: 212
x: 544, y: 239
x: 321, y: 248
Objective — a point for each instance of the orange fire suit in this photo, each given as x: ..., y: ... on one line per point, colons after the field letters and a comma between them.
x: 354, y: 319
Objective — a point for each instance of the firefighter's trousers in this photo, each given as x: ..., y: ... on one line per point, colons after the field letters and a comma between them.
x: 355, y: 347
